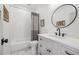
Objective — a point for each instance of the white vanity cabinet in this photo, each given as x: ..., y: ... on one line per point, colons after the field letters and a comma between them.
x: 47, y: 46
x: 50, y: 47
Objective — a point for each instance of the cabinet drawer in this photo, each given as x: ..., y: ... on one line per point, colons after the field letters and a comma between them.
x: 45, y: 50
x: 42, y: 51
x: 53, y: 46
x: 46, y: 42
x: 71, y: 51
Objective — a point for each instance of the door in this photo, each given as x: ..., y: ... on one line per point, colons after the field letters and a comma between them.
x: 17, y: 30
x: 1, y: 49
x: 6, y: 34
x: 35, y: 26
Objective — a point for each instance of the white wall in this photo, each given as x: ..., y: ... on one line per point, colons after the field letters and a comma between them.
x: 46, y: 12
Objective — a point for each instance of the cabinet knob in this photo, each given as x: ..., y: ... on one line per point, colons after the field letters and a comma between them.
x: 40, y: 39
x: 48, y: 50
x: 40, y: 54
x: 40, y: 45
x: 68, y: 53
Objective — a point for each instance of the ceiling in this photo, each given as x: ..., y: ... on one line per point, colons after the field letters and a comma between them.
x: 34, y: 6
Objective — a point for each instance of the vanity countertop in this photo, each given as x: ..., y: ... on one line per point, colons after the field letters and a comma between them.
x: 73, y: 42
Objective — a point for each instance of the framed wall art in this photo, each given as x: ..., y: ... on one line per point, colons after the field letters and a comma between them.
x: 5, y: 14
x: 42, y: 22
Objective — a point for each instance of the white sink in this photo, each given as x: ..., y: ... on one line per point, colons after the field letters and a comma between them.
x: 54, y: 36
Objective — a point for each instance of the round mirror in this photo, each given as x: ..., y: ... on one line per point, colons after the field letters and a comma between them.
x: 64, y: 15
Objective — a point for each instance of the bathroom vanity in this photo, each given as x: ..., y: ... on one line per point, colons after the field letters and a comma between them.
x: 60, y: 44
x: 52, y: 45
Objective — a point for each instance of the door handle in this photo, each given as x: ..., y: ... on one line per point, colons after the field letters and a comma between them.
x: 4, y: 41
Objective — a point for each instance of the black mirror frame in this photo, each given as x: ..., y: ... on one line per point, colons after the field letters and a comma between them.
x: 69, y: 23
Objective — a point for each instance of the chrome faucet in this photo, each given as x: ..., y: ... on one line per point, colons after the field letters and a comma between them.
x: 59, y: 32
